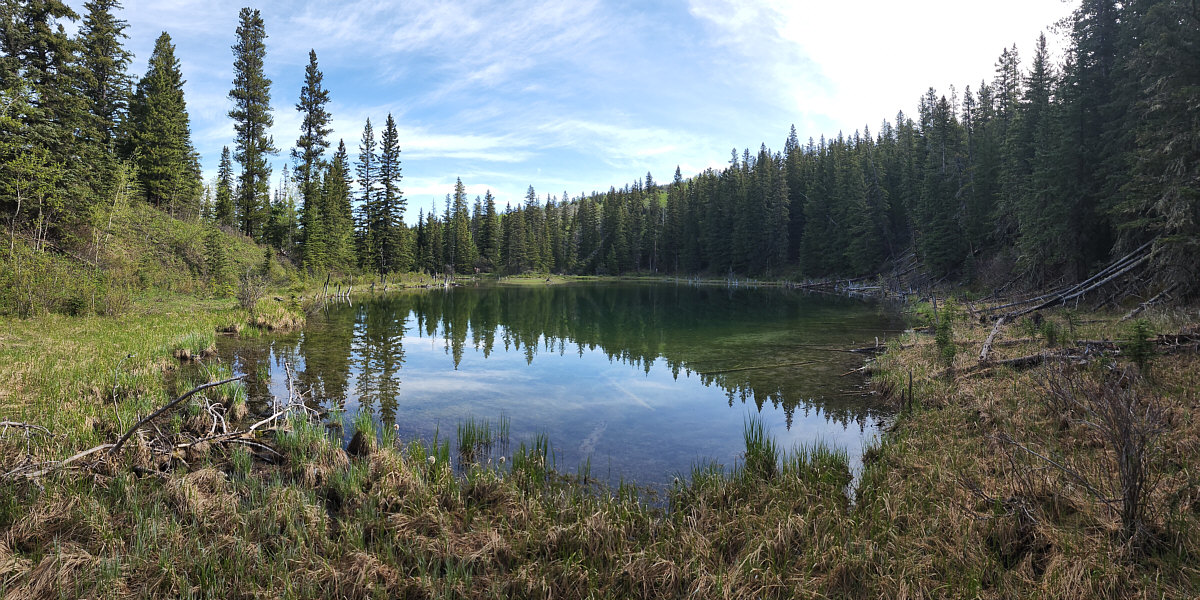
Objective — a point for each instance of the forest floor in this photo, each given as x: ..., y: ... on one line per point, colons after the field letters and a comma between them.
x: 993, y: 481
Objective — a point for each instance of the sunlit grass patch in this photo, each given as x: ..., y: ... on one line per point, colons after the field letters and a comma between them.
x: 195, y: 345
x: 274, y: 314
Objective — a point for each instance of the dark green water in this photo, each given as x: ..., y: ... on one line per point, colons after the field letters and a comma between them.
x: 646, y: 379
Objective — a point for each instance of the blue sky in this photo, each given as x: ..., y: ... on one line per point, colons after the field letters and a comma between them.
x: 576, y: 96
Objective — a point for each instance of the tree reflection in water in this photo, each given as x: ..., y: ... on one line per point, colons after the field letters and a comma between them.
x: 426, y: 358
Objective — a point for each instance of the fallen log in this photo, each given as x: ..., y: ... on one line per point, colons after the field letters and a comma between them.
x: 987, y: 344
x: 1025, y: 362
x: 1143, y: 306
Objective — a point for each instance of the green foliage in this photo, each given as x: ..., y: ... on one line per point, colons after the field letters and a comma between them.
x: 1138, y: 344
x: 223, y: 210
x: 762, y: 455
x: 217, y: 262
x: 386, y: 228
x: 104, y: 60
x: 168, y: 167
x: 241, y: 461
x: 1051, y: 330
x: 251, y: 113
x: 944, y: 333
x: 314, y: 139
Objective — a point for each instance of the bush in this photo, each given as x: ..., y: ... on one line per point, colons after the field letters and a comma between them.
x: 944, y: 334
x: 1111, y: 406
x: 1138, y: 344
x: 250, y: 290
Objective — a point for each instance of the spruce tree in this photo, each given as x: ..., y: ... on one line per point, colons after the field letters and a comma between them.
x: 251, y: 113
x: 41, y: 67
x: 1162, y: 198
x: 223, y: 210
x: 1090, y: 111
x: 368, y: 179
x: 106, y: 84
x: 388, y: 226
x: 463, y: 258
x: 281, y: 229
x: 168, y: 167
x: 436, y: 249
x: 336, y: 210
x: 314, y: 139
x: 489, y: 234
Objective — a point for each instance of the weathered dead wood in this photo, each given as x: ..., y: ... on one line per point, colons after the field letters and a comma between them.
x: 158, y: 445
x: 866, y: 369
x: 1081, y: 290
x: 26, y: 426
x: 168, y: 406
x: 1115, y: 269
x: 54, y: 466
x: 1025, y: 362
x: 1019, y: 363
x: 827, y: 349
x: 757, y: 367
x: 987, y: 344
x: 1143, y: 306
x: 1014, y: 342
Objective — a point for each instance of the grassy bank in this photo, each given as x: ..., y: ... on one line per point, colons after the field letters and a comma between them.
x: 955, y: 502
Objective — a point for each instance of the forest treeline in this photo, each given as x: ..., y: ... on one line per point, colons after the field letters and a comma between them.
x: 1037, y: 174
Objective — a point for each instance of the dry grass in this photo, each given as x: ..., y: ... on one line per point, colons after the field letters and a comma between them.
x: 943, y: 507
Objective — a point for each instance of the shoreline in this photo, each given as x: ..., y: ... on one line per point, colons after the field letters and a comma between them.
x: 930, y: 512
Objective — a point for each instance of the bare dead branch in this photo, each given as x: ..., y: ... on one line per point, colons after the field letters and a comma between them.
x: 168, y: 406
x: 28, y: 427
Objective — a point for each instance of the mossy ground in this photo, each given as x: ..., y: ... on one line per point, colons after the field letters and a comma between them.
x: 942, y: 507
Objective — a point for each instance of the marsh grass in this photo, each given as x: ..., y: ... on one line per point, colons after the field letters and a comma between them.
x: 477, y: 438
x: 936, y: 512
x: 195, y: 346
x: 761, y: 455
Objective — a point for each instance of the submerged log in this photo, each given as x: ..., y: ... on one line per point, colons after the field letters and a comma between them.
x: 753, y: 368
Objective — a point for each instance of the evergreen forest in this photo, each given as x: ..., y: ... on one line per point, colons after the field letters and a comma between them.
x: 1037, y: 175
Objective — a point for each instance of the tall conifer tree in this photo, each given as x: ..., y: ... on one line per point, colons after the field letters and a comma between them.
x: 251, y: 113
x: 168, y: 167
x: 464, y: 246
x: 223, y: 210
x: 105, y: 80
x: 368, y: 180
x: 388, y: 227
x: 314, y: 139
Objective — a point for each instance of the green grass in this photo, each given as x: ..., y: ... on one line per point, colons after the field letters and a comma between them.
x: 936, y: 510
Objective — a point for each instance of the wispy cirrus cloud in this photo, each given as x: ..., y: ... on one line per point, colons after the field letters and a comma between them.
x: 582, y: 95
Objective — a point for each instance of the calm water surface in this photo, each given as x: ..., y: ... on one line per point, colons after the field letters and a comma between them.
x: 645, y: 379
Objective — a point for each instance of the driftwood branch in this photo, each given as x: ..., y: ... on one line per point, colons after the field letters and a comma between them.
x: 26, y: 426
x: 987, y: 344
x: 168, y: 406
x: 62, y: 463
x: 1143, y: 306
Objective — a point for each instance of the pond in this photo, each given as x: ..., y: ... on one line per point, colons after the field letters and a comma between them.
x: 645, y: 380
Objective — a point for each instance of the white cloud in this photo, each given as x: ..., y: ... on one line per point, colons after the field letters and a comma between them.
x: 855, y: 63
x: 583, y: 95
